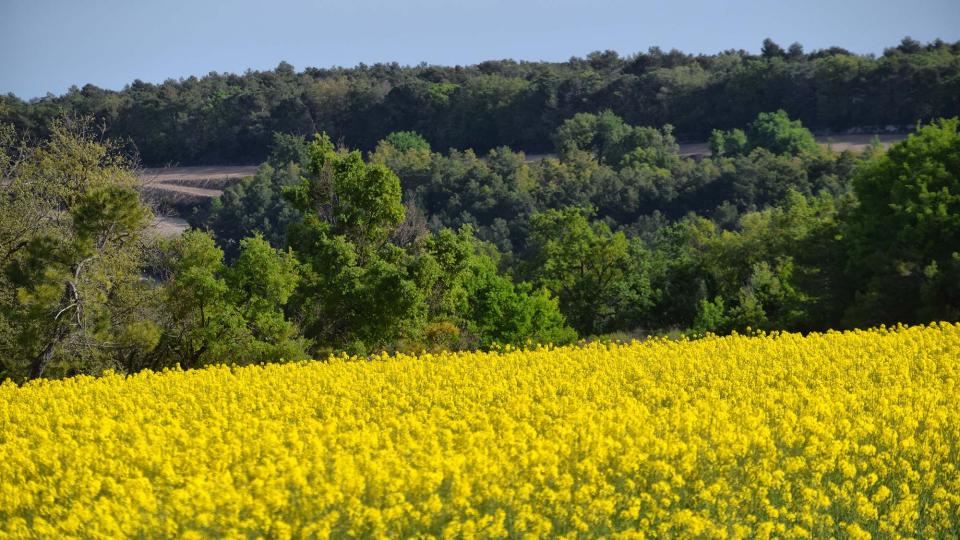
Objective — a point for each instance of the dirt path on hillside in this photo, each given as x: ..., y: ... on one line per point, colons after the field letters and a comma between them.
x: 857, y: 143
x: 837, y: 143
x: 203, y: 182
x: 212, y: 172
x: 169, y: 226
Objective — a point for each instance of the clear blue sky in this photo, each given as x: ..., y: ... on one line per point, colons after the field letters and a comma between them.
x: 49, y: 45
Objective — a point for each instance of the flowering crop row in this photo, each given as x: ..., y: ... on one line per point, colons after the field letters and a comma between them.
x: 850, y: 434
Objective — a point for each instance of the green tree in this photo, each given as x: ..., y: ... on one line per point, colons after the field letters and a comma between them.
x: 72, y: 236
x: 778, y: 270
x: 404, y: 141
x: 228, y: 118
x: 583, y: 263
x: 347, y: 197
x: 905, y: 232
x: 229, y: 314
x: 484, y: 305
x: 287, y: 149
x: 411, y: 161
x: 771, y: 50
x: 602, y: 134
x: 729, y: 143
x: 254, y: 205
x: 779, y: 134
x: 359, y: 291
x: 717, y: 142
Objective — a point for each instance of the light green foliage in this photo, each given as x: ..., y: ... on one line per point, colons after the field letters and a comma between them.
x: 504, y: 313
x: 404, y: 141
x: 221, y: 314
x: 779, y: 134
x: 717, y: 142
x: 71, y: 235
x: 711, y: 316
x: 775, y: 132
x: 729, y: 143
x: 410, y: 160
x: 614, y: 142
x: 488, y: 307
x: 771, y: 131
x: 650, y: 148
x: 348, y: 196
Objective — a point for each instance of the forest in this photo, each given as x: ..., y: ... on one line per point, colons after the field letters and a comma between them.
x: 326, y: 250
x: 230, y: 119
x: 420, y: 237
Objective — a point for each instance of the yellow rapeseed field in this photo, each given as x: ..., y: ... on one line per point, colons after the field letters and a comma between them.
x: 846, y: 435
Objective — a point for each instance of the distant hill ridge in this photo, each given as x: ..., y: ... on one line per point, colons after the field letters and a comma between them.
x: 227, y: 118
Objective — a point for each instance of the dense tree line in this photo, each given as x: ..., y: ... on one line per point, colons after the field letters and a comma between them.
x: 771, y: 232
x: 85, y: 286
x: 225, y: 118
x: 325, y: 250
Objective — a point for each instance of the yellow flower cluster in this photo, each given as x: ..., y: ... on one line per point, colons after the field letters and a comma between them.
x: 846, y: 435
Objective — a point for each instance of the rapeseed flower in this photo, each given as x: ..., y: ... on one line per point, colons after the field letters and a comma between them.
x: 853, y: 434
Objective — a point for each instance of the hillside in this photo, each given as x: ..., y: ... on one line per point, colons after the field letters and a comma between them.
x: 176, y: 184
x: 227, y: 118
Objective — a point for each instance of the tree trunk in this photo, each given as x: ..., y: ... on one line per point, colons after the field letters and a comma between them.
x: 60, y: 330
x: 40, y: 362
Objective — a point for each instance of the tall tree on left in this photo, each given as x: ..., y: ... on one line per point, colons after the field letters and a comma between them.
x: 72, y: 251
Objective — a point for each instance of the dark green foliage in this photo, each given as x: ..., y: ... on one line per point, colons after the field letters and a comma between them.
x: 773, y: 255
x: 782, y: 268
x: 585, y: 264
x: 358, y: 291
x: 224, y: 118
x: 775, y: 272
x: 288, y: 149
x: 254, y: 205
